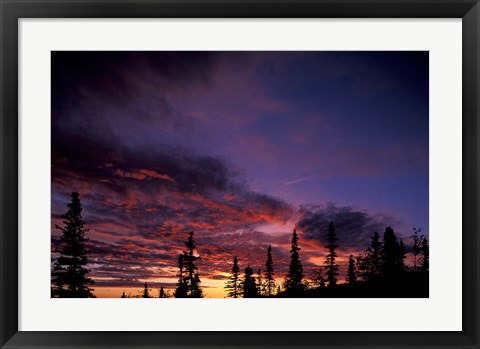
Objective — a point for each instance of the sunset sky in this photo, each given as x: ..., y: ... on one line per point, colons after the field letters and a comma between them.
x: 241, y: 148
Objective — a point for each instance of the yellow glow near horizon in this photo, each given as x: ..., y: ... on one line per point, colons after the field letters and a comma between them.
x: 211, y: 289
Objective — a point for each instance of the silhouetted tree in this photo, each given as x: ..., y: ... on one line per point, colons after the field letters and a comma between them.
x: 374, y: 255
x: 188, y: 284
x: 192, y: 278
x: 182, y: 287
x: 393, y: 254
x: 330, y: 265
x: 364, y: 267
x: 352, y: 272
x: 269, y: 274
x: 425, y: 255
x: 416, y: 246
x: 123, y: 295
x: 233, y: 285
x: 162, y: 293
x: 402, y: 254
x: 294, y: 278
x: 69, y: 275
x: 249, y: 284
x: 318, y: 281
x: 145, y: 293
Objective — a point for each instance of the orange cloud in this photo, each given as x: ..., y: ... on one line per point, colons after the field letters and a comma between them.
x: 143, y: 174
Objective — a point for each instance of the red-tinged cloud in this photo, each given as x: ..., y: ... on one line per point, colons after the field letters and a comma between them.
x: 143, y: 174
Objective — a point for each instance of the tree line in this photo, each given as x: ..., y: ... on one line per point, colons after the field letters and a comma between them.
x: 381, y: 267
x: 380, y: 271
x: 146, y: 292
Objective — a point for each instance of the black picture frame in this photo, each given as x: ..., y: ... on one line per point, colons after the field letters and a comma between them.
x: 12, y: 10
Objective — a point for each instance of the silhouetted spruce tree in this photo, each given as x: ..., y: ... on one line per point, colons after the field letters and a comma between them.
x: 425, y: 255
x: 161, y: 293
x: 364, y: 267
x: 192, y: 278
x: 318, y: 281
x: 123, y: 295
x: 416, y: 247
x: 402, y: 254
x: 69, y: 276
x: 352, y: 272
x: 145, y: 293
x: 233, y: 285
x: 331, y: 268
x: 249, y: 284
x: 294, y: 278
x: 374, y: 256
x: 269, y: 274
x: 390, y: 247
x: 392, y: 254
x: 182, y: 287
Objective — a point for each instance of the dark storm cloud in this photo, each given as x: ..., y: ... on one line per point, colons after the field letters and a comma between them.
x: 354, y: 227
x: 92, y: 157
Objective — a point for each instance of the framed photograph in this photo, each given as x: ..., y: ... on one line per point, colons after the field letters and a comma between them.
x: 239, y: 174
